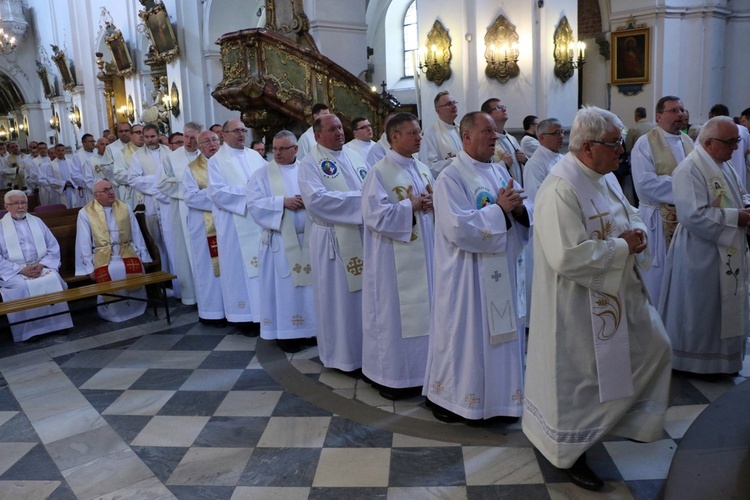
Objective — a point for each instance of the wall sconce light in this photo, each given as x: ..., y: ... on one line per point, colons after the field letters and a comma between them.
x: 569, y: 54
x: 501, y: 50
x: 7, y: 42
x: 54, y: 122
x: 435, y: 63
x: 75, y: 116
x: 3, y: 133
x: 130, y: 109
x: 171, y: 101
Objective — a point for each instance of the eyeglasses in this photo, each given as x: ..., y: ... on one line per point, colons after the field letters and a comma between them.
x: 449, y: 103
x: 499, y: 107
x: 559, y: 132
x: 105, y: 190
x: 363, y: 127
x: 412, y: 133
x: 136, y: 132
x: 612, y: 145
x: 242, y: 131
x: 675, y: 110
x: 17, y: 204
x: 729, y: 142
x: 281, y: 149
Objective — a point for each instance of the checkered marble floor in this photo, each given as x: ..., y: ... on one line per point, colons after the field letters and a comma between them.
x: 149, y: 410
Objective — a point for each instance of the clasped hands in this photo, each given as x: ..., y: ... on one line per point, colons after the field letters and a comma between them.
x: 294, y: 203
x: 743, y: 218
x: 636, y: 240
x: 511, y: 199
x: 32, y: 271
x: 420, y: 201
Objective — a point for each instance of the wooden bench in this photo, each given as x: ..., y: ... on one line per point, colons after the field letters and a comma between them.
x: 83, y: 292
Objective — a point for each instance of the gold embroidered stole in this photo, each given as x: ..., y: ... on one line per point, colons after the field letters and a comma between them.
x: 664, y: 164
x: 199, y: 169
x: 103, y: 244
x: 411, y: 271
x: 297, y: 256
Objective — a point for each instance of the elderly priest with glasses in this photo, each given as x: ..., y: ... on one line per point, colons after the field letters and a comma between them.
x: 29, y: 259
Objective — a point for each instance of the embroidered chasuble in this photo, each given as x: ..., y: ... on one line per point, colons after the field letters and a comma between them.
x: 102, y: 242
x: 664, y: 164
x: 348, y: 236
x: 199, y: 169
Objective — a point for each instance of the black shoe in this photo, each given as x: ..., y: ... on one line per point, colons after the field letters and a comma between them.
x: 444, y: 415
x: 248, y: 329
x: 290, y: 346
x: 394, y: 394
x: 216, y: 323
x: 581, y: 475
x: 310, y: 341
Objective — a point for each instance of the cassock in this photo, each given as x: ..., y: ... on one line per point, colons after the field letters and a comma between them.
x: 201, y: 231
x: 440, y: 143
x: 336, y: 216
x: 652, y: 179
x: 580, y: 282
x: 171, y: 173
x: 117, y: 269
x: 229, y: 171
x: 286, y: 306
x: 23, y: 242
x: 475, y: 367
x: 534, y: 173
x: 704, y: 293
x: 397, y: 286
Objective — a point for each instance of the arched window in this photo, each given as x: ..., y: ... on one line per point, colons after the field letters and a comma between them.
x: 411, y: 38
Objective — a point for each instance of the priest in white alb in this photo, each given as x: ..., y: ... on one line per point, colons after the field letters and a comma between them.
x: 362, y: 142
x: 598, y: 358
x: 110, y: 246
x: 442, y: 140
x: 201, y: 232
x: 704, y: 293
x: 330, y: 182
x: 397, y: 286
x: 286, y: 304
x: 229, y: 173
x: 477, y: 337
x: 29, y: 260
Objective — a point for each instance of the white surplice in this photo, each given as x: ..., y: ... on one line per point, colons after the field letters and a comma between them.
x: 169, y: 183
x: 230, y: 199
x: 121, y: 171
x: 62, y: 173
x: 440, y: 143
x: 563, y: 414
x: 389, y: 357
x: 465, y: 373
x: 691, y: 303
x: 112, y: 311
x: 305, y: 143
x: 338, y: 311
x: 362, y: 148
x: 208, y: 294
x: 15, y: 286
x: 378, y: 150
x: 286, y: 310
x: 652, y: 190
x: 506, y: 143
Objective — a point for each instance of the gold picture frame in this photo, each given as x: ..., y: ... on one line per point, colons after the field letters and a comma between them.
x: 119, y: 49
x: 631, y: 56
x: 63, y: 67
x: 49, y: 90
x: 159, y: 30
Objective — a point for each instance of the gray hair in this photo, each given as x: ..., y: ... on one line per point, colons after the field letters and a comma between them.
x: 711, y: 127
x: 14, y: 192
x: 285, y: 133
x: 591, y: 124
x: 547, y: 124
x: 194, y: 126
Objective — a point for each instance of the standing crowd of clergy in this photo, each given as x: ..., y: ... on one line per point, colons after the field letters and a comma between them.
x: 421, y: 261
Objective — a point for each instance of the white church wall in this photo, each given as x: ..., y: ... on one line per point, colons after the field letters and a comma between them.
x: 735, y: 90
x: 340, y: 33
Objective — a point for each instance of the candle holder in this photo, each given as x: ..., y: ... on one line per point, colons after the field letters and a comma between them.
x: 569, y: 54
x: 435, y: 62
x: 501, y: 50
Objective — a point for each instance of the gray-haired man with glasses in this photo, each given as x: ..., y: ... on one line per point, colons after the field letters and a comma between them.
x: 653, y: 159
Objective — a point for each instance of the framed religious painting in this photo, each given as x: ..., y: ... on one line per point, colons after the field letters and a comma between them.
x: 119, y: 49
x: 63, y: 67
x: 49, y: 90
x: 631, y: 56
x: 159, y: 30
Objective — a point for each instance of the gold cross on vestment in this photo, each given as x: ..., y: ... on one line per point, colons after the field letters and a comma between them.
x: 600, y: 216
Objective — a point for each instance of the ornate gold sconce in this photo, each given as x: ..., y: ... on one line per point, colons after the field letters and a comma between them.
x: 501, y: 50
x: 569, y: 54
x: 436, y: 55
x: 3, y: 133
x: 54, y: 122
x: 130, y: 109
x: 172, y: 101
x: 75, y: 116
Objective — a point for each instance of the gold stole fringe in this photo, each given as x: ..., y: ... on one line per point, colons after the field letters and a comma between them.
x: 199, y: 168
x: 664, y: 164
x: 103, y: 244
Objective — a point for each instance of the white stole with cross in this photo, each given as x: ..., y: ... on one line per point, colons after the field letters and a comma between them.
x: 248, y: 232
x: 297, y: 255
x: 608, y: 316
x: 348, y: 236
x: 46, y: 282
x: 733, y: 272
x: 411, y: 273
x: 497, y: 290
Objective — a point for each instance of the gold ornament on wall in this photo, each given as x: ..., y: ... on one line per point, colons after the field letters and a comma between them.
x: 501, y: 50
x: 569, y: 54
x: 436, y: 56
